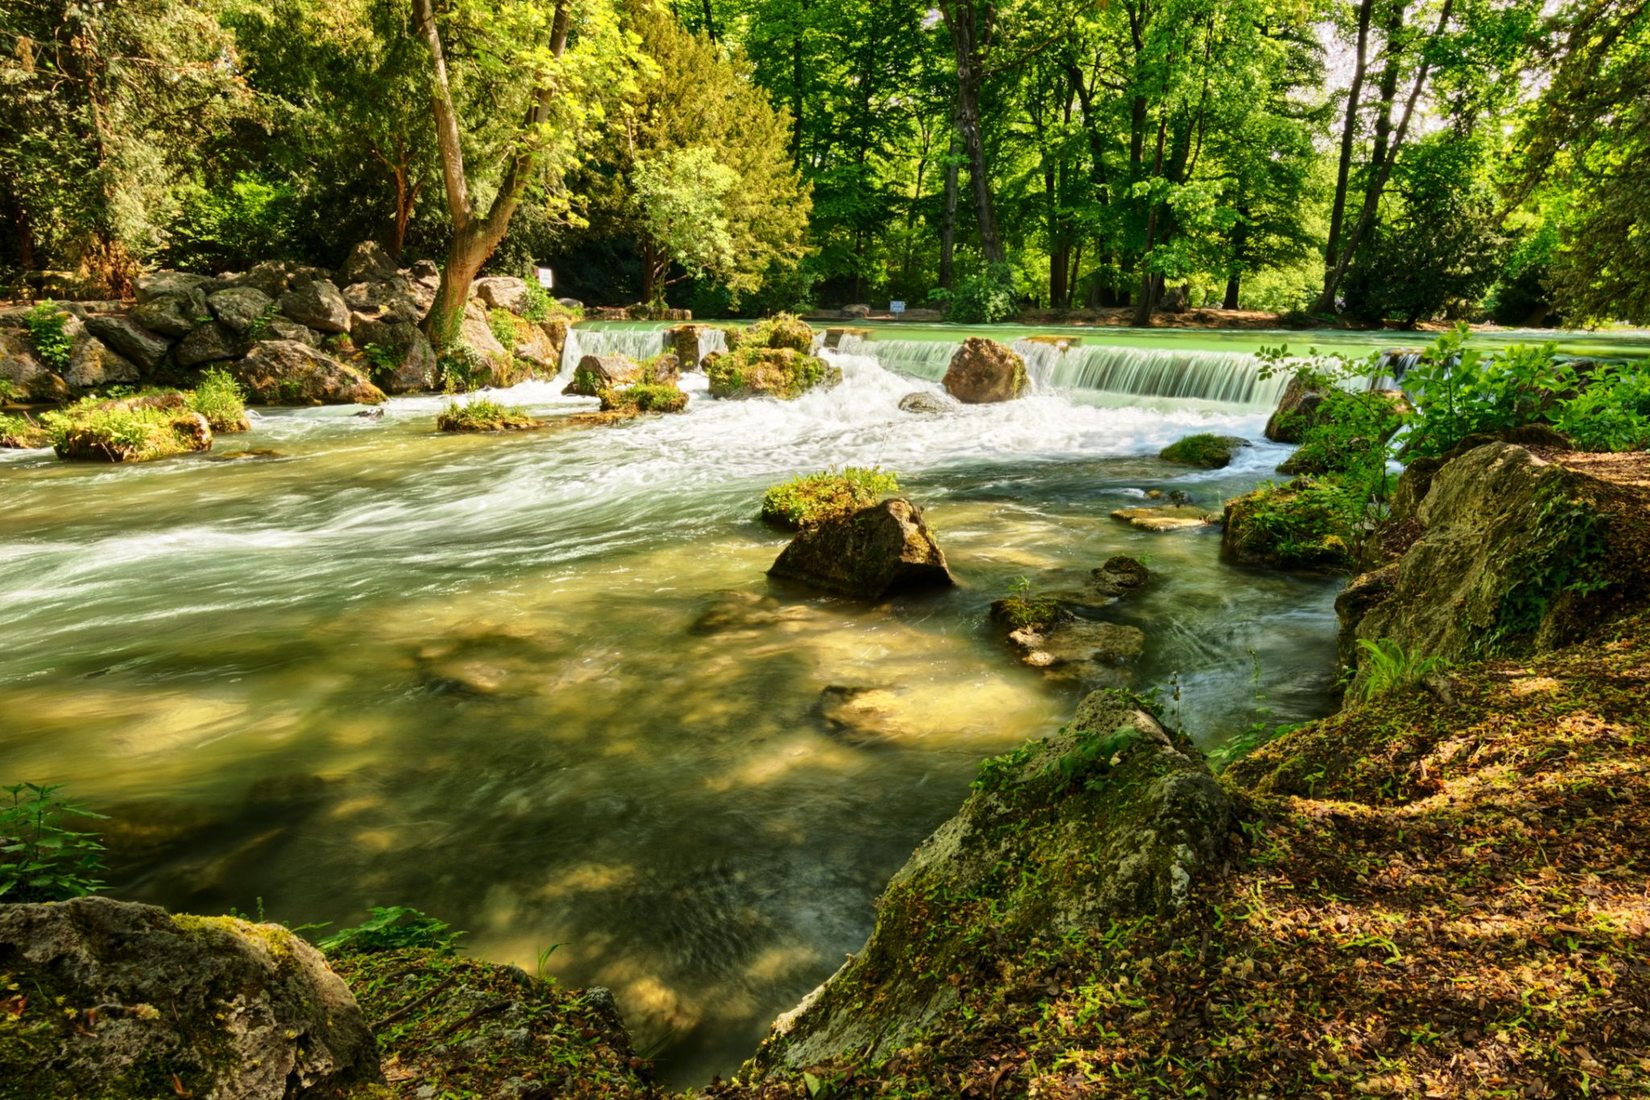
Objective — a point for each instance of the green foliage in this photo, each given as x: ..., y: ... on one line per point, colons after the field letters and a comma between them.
x: 1022, y: 608
x: 811, y: 499
x: 381, y: 361
x: 536, y: 303
x: 121, y: 431
x: 782, y: 330
x: 987, y: 297
x: 393, y: 928
x: 1385, y: 666
x: 233, y: 228
x: 1561, y: 558
x: 482, y: 415
x: 1308, y: 523
x: 40, y: 859
x: 21, y: 431
x: 503, y: 325
x: 46, y: 324
x: 1204, y: 450
x: 219, y: 398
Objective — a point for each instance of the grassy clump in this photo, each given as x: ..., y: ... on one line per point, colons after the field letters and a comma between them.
x: 482, y: 415
x: 1022, y: 608
x: 127, y: 431
x: 21, y: 432
x: 393, y: 928
x: 813, y: 498
x: 1305, y: 524
x: 220, y: 399
x: 644, y: 397
x: 1204, y: 450
x: 784, y: 373
x: 782, y: 330
x: 506, y: 328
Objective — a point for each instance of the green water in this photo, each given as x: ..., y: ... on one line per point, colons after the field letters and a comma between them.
x: 540, y: 686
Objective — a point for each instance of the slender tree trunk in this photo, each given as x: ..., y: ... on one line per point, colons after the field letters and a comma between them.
x: 797, y: 73
x: 1233, y: 282
x: 1349, y: 134
x: 710, y: 22
x: 1148, y: 283
x: 967, y: 40
x: 475, y: 236
x: 948, y: 222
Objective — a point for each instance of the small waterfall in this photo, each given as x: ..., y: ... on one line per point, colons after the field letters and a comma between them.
x: 917, y: 358
x: 710, y: 340
x: 1231, y: 378
x: 637, y: 343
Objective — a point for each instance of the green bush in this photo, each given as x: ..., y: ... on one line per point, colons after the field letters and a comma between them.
x: 219, y: 398
x: 503, y: 324
x: 40, y: 860
x: 392, y: 928
x: 985, y: 298
x: 46, y: 324
x: 813, y: 498
x: 1306, y: 524
x: 232, y: 229
x: 482, y: 415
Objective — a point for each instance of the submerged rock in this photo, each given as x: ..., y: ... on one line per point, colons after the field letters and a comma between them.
x: 1119, y: 576
x: 734, y: 611
x: 1120, y: 819
x: 868, y: 554
x: 1204, y: 450
x: 115, y: 996
x: 859, y: 716
x: 1077, y: 645
x: 924, y: 403
x: 1166, y: 517
x: 983, y: 371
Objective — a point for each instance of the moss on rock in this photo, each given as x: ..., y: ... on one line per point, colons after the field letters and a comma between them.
x: 1305, y: 524
x: 809, y: 499
x: 481, y: 415
x: 1204, y: 450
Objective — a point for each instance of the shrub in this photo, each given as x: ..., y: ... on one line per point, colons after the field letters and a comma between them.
x: 644, y: 397
x: 813, y: 498
x: 20, y: 431
x: 40, y: 860
x: 392, y: 928
x: 782, y: 330
x: 536, y: 302
x: 481, y: 415
x: 1306, y: 524
x: 503, y: 323
x: 985, y: 298
x: 46, y: 324
x: 219, y: 398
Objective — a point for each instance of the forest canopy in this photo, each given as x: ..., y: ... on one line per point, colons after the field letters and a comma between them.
x: 1386, y: 160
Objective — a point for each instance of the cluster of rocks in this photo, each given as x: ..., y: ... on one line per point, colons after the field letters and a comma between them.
x: 289, y: 332
x: 1063, y: 635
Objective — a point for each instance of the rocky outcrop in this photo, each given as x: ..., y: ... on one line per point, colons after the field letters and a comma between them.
x: 129, y: 339
x: 285, y: 372
x: 367, y: 262
x: 411, y: 362
x: 868, y: 554
x: 1298, y: 410
x: 501, y: 292
x: 596, y: 373
x: 317, y: 304
x: 22, y: 371
x: 684, y: 344
x: 92, y: 364
x: 112, y: 999
x: 983, y: 371
x: 1120, y: 819
x: 239, y: 308
x: 1515, y: 554
x: 1167, y: 517
x: 784, y: 373
x: 210, y: 343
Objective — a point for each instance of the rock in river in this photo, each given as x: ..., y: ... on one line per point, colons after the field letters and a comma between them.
x: 868, y: 554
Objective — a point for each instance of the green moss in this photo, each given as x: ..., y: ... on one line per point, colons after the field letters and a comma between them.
x: 644, y: 397
x: 507, y: 328
x: 277, y: 939
x: 1306, y: 524
x: 1022, y: 608
x: 813, y: 498
x: 782, y: 330
x: 784, y: 373
x: 1204, y: 450
x: 482, y: 415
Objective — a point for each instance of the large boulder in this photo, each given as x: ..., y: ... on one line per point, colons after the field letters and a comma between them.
x: 867, y: 554
x: 1204, y: 450
x: 477, y: 335
x: 285, y: 372
x: 22, y: 371
x: 129, y: 339
x: 93, y: 364
x: 317, y: 304
x: 388, y: 299
x: 368, y: 262
x: 598, y: 373
x: 1298, y: 410
x: 406, y: 362
x: 178, y: 312
x: 209, y: 343
x: 1515, y: 554
x: 239, y: 308
x: 171, y: 284
x: 276, y: 277
x: 111, y: 999
x: 983, y: 371
x: 501, y: 292
x: 784, y: 373
x: 1114, y: 818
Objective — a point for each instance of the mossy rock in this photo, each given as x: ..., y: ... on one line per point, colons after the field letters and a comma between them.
x: 645, y: 397
x: 486, y: 416
x: 784, y: 373
x: 1303, y: 525
x: 782, y: 330
x: 868, y: 554
x: 132, y: 430
x: 1113, y: 818
x: 1204, y: 450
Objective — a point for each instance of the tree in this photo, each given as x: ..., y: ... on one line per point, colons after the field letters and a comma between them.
x: 681, y: 197
x: 513, y: 44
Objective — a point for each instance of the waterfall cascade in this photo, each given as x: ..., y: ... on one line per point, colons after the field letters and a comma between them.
x: 637, y: 343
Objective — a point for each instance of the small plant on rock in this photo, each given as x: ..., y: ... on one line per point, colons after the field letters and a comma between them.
x: 1387, y: 666
x: 40, y: 859
x: 219, y: 398
x: 504, y: 327
x: 47, y: 332
x: 1022, y: 608
x: 393, y: 928
x: 813, y: 498
x: 481, y: 415
x: 644, y: 397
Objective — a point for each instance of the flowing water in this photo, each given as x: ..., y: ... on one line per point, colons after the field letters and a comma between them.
x: 539, y: 685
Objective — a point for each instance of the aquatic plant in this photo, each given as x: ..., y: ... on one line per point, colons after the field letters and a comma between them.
x: 40, y: 859
x: 393, y: 928
x: 813, y: 498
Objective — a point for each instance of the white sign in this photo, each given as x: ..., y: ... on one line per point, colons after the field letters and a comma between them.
x: 896, y: 307
x: 546, y: 278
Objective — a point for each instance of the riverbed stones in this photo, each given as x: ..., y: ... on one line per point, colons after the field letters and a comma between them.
x: 1167, y: 517
x: 869, y: 554
x: 285, y: 372
x: 129, y: 339
x: 1121, y: 820
x: 736, y: 611
x: 111, y: 994
x: 317, y: 304
x: 983, y: 371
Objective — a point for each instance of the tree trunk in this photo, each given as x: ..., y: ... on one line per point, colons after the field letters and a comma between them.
x: 1232, y: 283
x: 966, y: 41
x: 948, y: 222
x: 1349, y: 133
